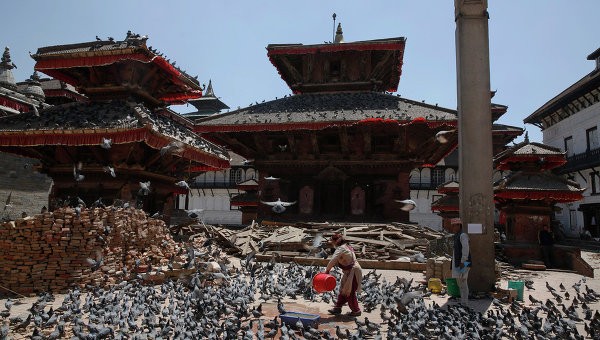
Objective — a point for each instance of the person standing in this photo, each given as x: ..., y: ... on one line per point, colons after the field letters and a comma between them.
x: 546, y: 241
x: 345, y: 259
x: 461, y: 259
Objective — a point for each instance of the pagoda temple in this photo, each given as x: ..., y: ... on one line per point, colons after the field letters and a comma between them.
x: 123, y: 136
x: 526, y: 197
x: 342, y: 146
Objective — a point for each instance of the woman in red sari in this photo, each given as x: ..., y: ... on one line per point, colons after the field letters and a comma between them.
x: 345, y: 259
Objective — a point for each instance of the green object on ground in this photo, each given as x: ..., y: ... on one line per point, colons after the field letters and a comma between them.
x: 519, y: 286
x: 452, y: 287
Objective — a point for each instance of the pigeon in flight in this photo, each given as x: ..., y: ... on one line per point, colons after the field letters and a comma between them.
x: 271, y: 178
x: 144, y: 188
x: 106, y: 143
x: 173, y: 147
x: 184, y: 185
x: 110, y: 170
x: 407, y: 205
x: 278, y: 206
x: 7, y: 204
x: 442, y: 136
x: 77, y: 172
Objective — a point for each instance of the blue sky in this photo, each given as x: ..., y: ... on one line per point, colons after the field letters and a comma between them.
x: 537, y: 47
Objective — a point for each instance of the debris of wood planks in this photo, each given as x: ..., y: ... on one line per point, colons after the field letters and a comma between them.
x: 376, y: 242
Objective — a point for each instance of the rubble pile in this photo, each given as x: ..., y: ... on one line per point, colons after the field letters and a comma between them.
x: 371, y: 241
x: 55, y: 251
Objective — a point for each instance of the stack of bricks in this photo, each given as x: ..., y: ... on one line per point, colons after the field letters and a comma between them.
x: 438, y: 267
x: 50, y: 251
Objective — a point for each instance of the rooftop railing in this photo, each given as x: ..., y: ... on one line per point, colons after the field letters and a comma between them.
x: 581, y: 161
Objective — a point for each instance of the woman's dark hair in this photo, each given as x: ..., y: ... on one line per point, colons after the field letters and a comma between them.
x: 338, y: 236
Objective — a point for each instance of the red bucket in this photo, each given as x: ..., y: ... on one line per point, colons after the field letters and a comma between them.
x: 323, y: 283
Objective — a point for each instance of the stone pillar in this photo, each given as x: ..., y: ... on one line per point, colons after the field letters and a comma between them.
x: 475, y: 137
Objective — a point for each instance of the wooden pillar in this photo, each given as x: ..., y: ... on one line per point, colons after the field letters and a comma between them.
x: 475, y: 137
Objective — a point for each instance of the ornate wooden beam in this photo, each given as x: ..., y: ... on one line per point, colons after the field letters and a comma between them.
x: 244, y: 150
x: 292, y: 144
x: 259, y: 143
x: 315, y: 144
x: 367, y: 137
x: 295, y: 73
x: 382, y: 66
x: 344, y: 142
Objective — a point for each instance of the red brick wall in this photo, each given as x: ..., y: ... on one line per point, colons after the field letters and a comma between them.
x: 48, y: 252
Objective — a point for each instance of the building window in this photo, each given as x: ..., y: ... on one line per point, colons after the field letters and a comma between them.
x: 591, y: 136
x: 573, y: 219
x: 235, y: 175
x: 595, y: 182
x: 569, y: 146
x: 437, y: 177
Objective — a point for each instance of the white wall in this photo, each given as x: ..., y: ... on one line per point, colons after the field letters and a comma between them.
x: 575, y: 126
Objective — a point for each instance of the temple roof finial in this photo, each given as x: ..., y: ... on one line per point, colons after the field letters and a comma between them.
x: 209, y: 90
x: 6, y: 63
x: 526, y: 137
x: 339, y: 35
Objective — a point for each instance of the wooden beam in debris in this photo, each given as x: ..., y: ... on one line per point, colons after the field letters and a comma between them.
x: 365, y: 264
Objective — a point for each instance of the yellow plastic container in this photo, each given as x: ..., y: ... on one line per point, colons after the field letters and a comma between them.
x: 435, y: 285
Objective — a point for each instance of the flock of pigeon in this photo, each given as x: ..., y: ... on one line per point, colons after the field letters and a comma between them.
x: 227, y: 304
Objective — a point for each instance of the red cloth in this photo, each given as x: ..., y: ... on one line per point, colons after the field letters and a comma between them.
x: 352, y: 300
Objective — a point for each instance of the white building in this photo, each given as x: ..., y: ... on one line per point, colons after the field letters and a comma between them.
x: 570, y: 121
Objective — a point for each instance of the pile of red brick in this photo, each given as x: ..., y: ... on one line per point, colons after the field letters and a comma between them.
x: 49, y: 252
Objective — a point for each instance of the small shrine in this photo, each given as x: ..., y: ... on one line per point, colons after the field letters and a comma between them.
x: 123, y: 143
x: 447, y: 206
x: 526, y: 197
x: 247, y: 201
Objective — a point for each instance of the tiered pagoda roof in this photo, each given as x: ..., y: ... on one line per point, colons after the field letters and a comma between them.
x: 530, y: 177
x: 372, y: 65
x: 107, y: 69
x: 449, y: 202
x: 128, y: 86
x: 543, y: 156
x: 206, y: 105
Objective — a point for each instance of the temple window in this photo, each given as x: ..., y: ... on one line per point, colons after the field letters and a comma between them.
x: 573, y: 219
x: 437, y: 177
x: 235, y: 175
x: 569, y: 146
x: 334, y: 69
x: 595, y: 182
x: 591, y: 136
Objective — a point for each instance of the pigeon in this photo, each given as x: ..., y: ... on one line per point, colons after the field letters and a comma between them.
x: 280, y: 307
x: 183, y: 184
x: 271, y: 178
x: 8, y: 204
x: 529, y: 284
x: 144, y: 188
x: 106, y: 143
x: 173, y: 147
x: 442, y: 136
x: 95, y: 264
x: 194, y: 213
x: 77, y: 172
x: 109, y: 170
x: 278, y: 206
x: 407, y: 204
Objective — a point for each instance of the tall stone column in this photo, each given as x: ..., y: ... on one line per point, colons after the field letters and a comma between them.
x: 475, y: 137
